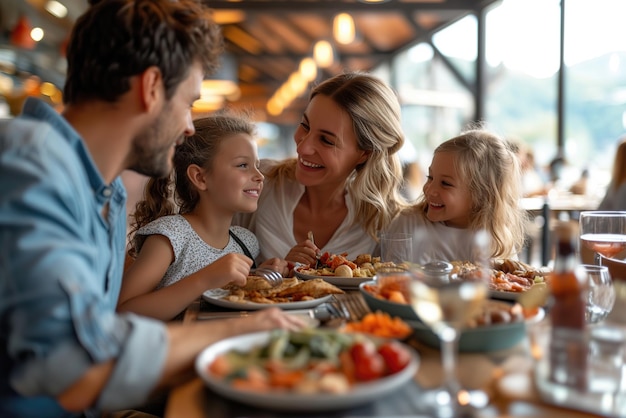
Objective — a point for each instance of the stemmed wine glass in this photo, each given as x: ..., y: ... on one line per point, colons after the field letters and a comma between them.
x: 601, y: 296
x: 445, y: 302
x: 603, y: 232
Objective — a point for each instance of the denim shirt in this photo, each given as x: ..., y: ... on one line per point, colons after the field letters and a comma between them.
x: 60, y: 274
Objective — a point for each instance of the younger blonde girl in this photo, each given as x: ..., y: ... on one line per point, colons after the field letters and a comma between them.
x: 473, y: 183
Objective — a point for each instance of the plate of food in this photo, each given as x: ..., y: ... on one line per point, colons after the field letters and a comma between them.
x: 293, y: 293
x: 306, y: 371
x: 509, y: 295
x: 341, y: 272
x: 508, y: 278
x: 343, y: 282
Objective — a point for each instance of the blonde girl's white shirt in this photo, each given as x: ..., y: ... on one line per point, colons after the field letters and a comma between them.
x: 272, y: 223
x: 434, y: 240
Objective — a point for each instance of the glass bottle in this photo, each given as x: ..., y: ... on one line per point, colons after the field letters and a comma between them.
x: 568, y: 344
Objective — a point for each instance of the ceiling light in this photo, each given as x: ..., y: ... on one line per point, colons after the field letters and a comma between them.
x: 274, y: 108
x: 37, y: 34
x: 225, y: 17
x: 297, y: 83
x: 373, y: 1
x: 208, y: 103
x: 56, y: 9
x: 323, y: 54
x: 308, y: 69
x: 224, y: 81
x: 343, y: 28
x: 218, y: 87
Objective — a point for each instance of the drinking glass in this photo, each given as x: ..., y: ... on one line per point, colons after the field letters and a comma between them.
x: 445, y: 303
x: 603, y: 232
x: 601, y: 293
x: 396, y: 248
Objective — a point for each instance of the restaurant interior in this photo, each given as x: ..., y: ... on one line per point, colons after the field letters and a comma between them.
x: 451, y: 61
x: 523, y: 67
x: 545, y: 75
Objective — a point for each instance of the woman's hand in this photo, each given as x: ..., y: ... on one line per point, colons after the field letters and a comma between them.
x: 232, y: 268
x: 303, y: 253
x: 277, y: 264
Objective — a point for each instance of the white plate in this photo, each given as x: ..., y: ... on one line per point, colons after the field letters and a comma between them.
x: 341, y: 282
x: 512, y: 296
x: 215, y: 296
x: 360, y: 393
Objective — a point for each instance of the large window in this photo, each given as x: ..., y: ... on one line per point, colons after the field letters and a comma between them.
x: 521, y: 92
x: 595, y: 58
x: 432, y: 83
x: 522, y: 52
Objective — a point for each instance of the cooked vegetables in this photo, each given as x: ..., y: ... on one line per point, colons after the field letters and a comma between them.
x: 309, y: 361
x: 380, y: 324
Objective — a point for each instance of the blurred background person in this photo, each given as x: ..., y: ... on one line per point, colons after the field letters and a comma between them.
x: 615, y: 197
x: 580, y: 185
x: 533, y: 183
x: 413, y: 179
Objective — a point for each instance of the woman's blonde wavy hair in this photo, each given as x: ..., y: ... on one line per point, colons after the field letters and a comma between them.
x: 494, y: 175
x: 374, y: 110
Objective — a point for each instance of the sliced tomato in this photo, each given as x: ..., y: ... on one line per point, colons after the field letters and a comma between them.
x: 368, y: 364
x: 362, y: 349
x: 369, y: 368
x: 395, y: 355
x: 324, y: 258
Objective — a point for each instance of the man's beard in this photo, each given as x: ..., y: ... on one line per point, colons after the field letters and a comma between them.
x: 151, y: 162
x: 150, y: 159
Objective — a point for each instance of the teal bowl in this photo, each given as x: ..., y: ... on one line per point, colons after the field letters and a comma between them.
x: 401, y: 310
x: 482, y: 338
x: 479, y: 339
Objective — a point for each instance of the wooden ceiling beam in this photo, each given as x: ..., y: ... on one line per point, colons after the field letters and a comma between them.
x: 298, y: 57
x: 334, y: 6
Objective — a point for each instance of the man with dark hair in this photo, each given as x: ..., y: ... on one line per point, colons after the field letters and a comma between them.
x: 134, y: 70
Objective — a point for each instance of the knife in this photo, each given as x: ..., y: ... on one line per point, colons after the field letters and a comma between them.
x: 321, y: 313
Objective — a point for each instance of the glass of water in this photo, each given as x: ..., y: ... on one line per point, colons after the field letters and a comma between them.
x: 601, y: 295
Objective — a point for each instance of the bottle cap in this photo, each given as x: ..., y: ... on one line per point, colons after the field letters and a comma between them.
x: 565, y: 231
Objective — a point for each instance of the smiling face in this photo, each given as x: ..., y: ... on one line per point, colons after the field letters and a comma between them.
x: 447, y: 194
x: 326, y: 144
x: 234, y: 181
x: 154, y: 148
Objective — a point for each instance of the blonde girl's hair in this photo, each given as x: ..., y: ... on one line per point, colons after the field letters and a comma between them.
x: 374, y: 186
x: 494, y: 175
x: 619, y: 165
x: 175, y: 193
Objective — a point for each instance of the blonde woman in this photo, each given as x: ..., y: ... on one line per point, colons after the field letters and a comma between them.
x: 344, y: 184
x: 473, y: 183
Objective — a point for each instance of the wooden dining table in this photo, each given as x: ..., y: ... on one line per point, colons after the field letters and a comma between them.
x: 505, y: 375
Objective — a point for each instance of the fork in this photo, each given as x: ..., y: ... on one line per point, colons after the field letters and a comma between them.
x: 273, y: 277
x: 317, y: 256
x: 352, y: 306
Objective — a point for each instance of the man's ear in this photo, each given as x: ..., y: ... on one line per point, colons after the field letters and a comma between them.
x: 152, y: 90
x: 195, y: 173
